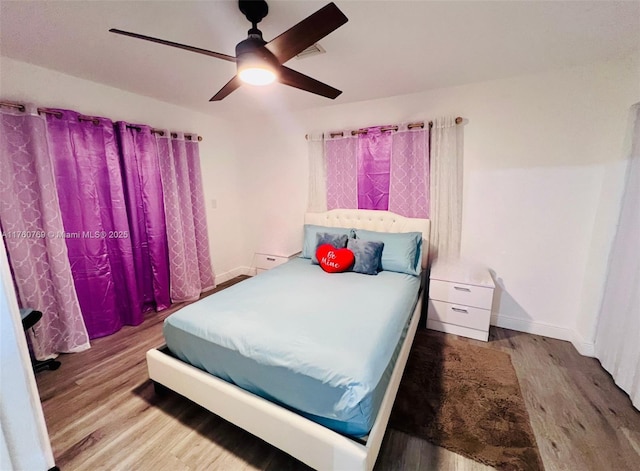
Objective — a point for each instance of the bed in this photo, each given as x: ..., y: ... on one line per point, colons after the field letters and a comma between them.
x: 326, y: 417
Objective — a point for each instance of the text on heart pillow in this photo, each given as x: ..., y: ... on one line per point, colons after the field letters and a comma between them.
x: 334, y: 260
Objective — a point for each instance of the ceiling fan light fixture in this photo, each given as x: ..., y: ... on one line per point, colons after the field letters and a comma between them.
x: 256, y: 65
x: 257, y: 75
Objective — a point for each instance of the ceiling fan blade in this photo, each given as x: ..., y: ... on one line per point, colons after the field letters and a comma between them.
x: 303, y: 82
x: 231, y: 85
x: 178, y: 45
x: 306, y: 33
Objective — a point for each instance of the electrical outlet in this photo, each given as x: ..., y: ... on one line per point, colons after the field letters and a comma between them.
x: 214, y: 203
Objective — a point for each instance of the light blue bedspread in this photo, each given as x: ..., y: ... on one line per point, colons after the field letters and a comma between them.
x: 321, y: 344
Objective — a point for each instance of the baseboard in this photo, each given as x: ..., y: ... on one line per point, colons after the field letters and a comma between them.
x: 231, y: 274
x: 583, y: 347
x: 532, y: 327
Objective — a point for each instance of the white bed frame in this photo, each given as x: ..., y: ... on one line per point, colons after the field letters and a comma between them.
x: 311, y: 443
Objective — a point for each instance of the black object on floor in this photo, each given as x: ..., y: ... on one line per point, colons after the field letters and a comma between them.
x: 30, y: 317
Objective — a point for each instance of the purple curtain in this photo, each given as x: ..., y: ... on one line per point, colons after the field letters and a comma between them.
x: 409, y: 182
x: 201, y: 232
x: 33, y: 234
x: 95, y: 241
x: 144, y: 200
x: 185, y: 264
x: 93, y: 206
x: 342, y: 171
x: 374, y: 163
x: 379, y: 170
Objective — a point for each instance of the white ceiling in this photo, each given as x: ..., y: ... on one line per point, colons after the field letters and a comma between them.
x: 387, y: 48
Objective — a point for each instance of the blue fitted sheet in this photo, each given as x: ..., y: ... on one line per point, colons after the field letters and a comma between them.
x: 323, y: 345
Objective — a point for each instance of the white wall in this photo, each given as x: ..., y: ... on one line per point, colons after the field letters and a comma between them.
x: 542, y: 177
x: 24, y: 441
x: 25, y: 82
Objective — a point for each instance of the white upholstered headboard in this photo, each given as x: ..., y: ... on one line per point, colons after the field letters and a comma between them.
x: 381, y: 221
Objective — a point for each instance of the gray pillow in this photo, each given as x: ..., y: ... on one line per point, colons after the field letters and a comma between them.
x: 309, y: 243
x: 368, y: 255
x: 339, y: 241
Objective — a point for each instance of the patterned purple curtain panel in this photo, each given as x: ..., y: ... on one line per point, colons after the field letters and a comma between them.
x: 144, y: 199
x: 342, y: 171
x: 201, y: 233
x: 379, y: 170
x: 409, y: 182
x: 374, y: 164
x: 33, y: 234
x: 186, y: 284
x: 93, y: 206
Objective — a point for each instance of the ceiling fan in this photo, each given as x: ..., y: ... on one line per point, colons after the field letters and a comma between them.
x: 259, y: 62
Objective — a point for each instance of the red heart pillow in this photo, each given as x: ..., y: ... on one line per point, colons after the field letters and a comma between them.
x: 334, y: 260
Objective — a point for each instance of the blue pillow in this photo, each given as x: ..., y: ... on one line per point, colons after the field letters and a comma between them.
x: 339, y: 241
x: 402, y: 251
x: 368, y: 255
x: 309, y: 243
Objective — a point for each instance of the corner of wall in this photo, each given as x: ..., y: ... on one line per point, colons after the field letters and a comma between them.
x: 231, y: 274
x: 584, y: 347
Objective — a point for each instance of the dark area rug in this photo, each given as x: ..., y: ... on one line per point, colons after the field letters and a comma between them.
x: 466, y: 399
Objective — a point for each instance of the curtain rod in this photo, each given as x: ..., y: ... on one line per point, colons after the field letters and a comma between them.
x: 93, y: 119
x: 355, y: 132
x: 160, y: 132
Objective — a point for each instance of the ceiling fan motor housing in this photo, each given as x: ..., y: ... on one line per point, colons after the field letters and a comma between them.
x: 252, y: 53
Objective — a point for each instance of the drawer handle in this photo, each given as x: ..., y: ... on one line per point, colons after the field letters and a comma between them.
x: 461, y: 288
x: 271, y: 259
x: 457, y: 309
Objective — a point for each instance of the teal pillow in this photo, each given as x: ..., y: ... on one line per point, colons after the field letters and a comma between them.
x: 368, y: 255
x: 402, y: 251
x: 309, y: 243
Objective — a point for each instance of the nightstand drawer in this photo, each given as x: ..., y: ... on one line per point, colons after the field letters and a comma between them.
x: 266, y: 261
x: 464, y: 316
x: 460, y: 293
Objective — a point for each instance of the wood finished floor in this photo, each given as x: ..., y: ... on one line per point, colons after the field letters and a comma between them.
x: 102, y: 414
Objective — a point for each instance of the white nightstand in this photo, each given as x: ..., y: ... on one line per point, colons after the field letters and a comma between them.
x: 460, y: 300
x: 265, y: 261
